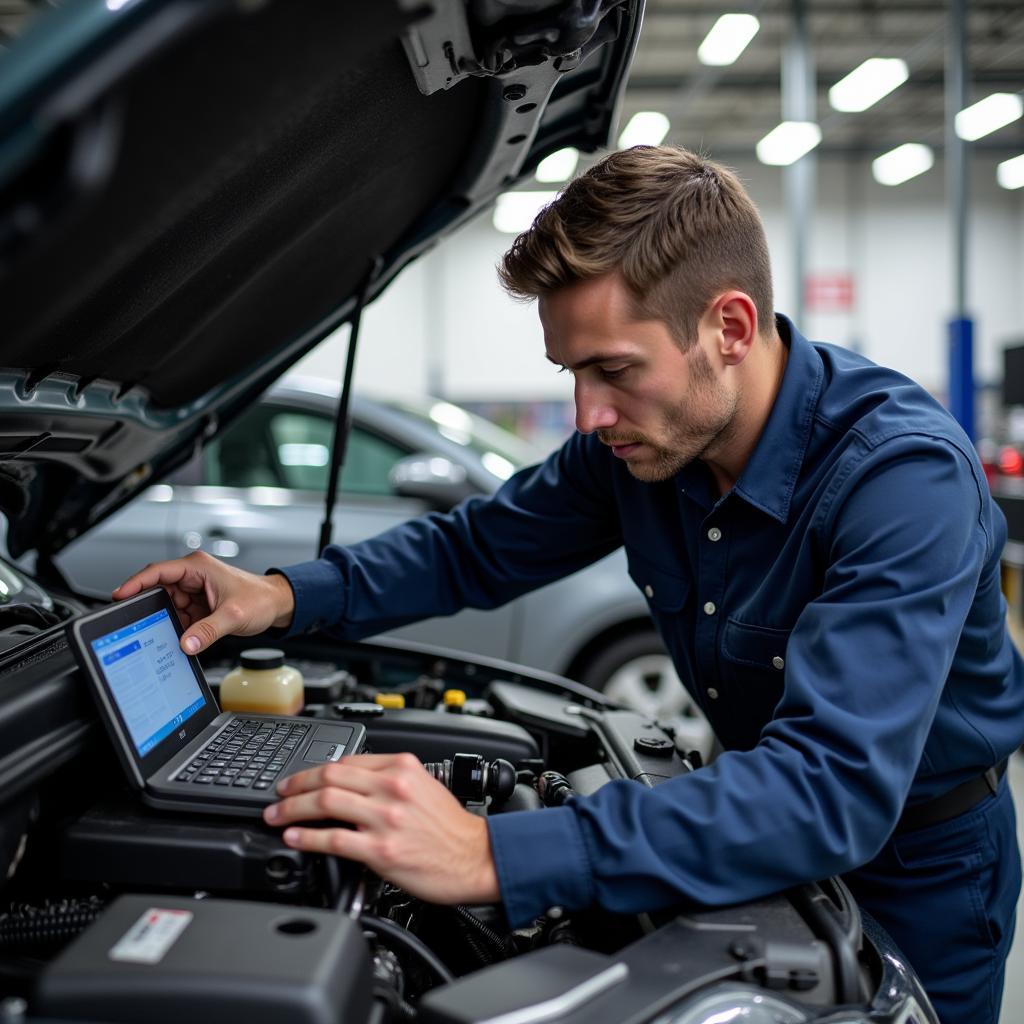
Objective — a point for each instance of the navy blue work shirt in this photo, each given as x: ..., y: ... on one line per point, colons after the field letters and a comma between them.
x: 837, y: 615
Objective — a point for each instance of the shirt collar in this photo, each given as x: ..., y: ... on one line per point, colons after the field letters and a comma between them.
x: 768, y: 480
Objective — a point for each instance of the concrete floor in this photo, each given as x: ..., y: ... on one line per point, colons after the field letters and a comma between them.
x: 1013, y: 995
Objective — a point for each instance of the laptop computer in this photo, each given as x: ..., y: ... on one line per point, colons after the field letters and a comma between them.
x: 176, y: 746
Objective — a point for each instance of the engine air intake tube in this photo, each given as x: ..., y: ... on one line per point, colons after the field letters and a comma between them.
x: 471, y: 779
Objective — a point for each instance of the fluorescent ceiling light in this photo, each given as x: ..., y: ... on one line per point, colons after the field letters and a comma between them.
x: 647, y: 128
x: 727, y: 39
x: 1010, y: 173
x: 902, y: 163
x: 515, y: 210
x: 867, y: 84
x: 788, y: 142
x: 985, y: 116
x: 559, y: 166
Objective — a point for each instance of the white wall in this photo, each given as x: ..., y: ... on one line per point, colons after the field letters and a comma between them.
x: 445, y: 325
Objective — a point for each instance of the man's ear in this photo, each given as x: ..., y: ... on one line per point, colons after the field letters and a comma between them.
x: 732, y: 317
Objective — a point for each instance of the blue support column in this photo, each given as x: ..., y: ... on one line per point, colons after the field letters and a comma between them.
x: 961, y: 326
x: 961, y: 373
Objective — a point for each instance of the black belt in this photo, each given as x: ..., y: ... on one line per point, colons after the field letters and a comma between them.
x: 949, y: 805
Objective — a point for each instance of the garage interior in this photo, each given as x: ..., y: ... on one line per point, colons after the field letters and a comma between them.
x: 896, y: 230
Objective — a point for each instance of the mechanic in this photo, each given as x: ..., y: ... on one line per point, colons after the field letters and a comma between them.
x: 820, y: 553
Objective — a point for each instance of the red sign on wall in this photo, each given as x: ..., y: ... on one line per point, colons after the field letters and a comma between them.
x: 828, y: 293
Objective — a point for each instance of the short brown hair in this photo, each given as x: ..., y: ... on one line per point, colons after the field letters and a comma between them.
x: 679, y: 228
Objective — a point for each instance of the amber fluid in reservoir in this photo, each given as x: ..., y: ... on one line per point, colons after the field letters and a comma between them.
x: 264, y: 707
x: 263, y: 685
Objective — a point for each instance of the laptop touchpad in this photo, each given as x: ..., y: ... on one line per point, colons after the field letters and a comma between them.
x: 318, y: 751
x: 328, y: 744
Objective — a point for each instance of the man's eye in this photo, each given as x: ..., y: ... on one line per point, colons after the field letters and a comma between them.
x: 613, y: 374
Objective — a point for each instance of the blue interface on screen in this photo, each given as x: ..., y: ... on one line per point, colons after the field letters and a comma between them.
x: 150, y: 679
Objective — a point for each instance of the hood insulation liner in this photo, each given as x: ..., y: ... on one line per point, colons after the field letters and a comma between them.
x: 262, y: 162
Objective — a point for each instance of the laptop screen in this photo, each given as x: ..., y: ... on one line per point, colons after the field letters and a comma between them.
x: 149, y: 677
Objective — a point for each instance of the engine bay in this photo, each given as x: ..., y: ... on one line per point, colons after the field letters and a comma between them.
x: 96, y: 882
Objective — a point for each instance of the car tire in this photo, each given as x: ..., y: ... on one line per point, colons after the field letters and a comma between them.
x: 635, y: 670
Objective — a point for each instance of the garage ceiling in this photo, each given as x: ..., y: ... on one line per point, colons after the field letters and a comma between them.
x: 725, y: 111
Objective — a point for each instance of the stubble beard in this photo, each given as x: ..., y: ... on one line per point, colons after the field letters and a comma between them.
x: 683, y: 441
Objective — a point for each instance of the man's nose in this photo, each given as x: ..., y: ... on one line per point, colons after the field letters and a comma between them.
x: 593, y: 410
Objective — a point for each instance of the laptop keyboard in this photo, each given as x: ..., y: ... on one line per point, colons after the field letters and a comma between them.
x: 248, y: 753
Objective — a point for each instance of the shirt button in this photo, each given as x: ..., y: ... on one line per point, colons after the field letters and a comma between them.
x: 714, y: 534
x: 649, y: 591
x: 709, y: 608
x: 712, y: 693
x: 778, y: 662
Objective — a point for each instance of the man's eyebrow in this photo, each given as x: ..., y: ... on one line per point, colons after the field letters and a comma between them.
x: 601, y: 357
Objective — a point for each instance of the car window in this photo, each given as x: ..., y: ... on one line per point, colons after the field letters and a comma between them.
x: 368, y: 463
x: 291, y: 448
x: 243, y: 455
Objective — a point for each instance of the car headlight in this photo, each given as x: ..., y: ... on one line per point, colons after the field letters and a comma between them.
x: 734, y: 1005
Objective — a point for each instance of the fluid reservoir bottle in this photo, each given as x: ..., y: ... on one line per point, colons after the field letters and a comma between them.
x: 263, y: 684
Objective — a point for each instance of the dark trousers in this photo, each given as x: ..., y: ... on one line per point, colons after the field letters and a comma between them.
x: 947, y: 894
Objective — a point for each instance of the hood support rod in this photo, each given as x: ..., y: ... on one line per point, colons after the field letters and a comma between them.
x: 342, y: 421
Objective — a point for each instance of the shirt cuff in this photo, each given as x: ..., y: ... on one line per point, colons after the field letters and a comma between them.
x: 541, y: 862
x: 319, y: 591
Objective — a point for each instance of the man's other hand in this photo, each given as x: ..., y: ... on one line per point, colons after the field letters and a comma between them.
x: 214, y: 599
x: 408, y: 828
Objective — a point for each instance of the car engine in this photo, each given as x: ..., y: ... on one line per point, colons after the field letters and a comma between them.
x: 98, y: 885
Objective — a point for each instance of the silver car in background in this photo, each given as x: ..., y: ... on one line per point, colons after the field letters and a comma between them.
x: 255, y: 498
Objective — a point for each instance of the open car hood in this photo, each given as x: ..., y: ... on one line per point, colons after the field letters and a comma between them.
x: 194, y: 194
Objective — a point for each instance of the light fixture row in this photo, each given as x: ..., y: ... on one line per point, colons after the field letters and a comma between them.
x: 515, y: 211
x: 791, y: 140
x: 868, y: 83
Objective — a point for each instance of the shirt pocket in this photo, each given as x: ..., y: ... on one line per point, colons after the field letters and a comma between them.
x: 665, y: 592
x: 753, y: 669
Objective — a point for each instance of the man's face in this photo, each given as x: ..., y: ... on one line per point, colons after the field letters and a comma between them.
x: 657, y: 407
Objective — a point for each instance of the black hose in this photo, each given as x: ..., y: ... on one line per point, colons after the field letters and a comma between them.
x: 500, y: 942
x: 332, y: 871
x: 820, y: 914
x: 46, y: 926
x: 341, y: 879
x: 392, y: 1004
x: 381, y: 926
x: 485, y: 956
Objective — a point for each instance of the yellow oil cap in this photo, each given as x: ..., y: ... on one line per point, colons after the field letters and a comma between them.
x: 390, y: 700
x: 454, y: 698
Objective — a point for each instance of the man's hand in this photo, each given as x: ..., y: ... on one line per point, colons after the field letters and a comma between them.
x: 408, y: 828
x: 214, y: 599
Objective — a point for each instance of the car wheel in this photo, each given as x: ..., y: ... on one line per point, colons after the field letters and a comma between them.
x: 636, y: 672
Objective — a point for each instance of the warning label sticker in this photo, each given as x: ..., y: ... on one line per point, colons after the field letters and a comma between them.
x: 148, y: 940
